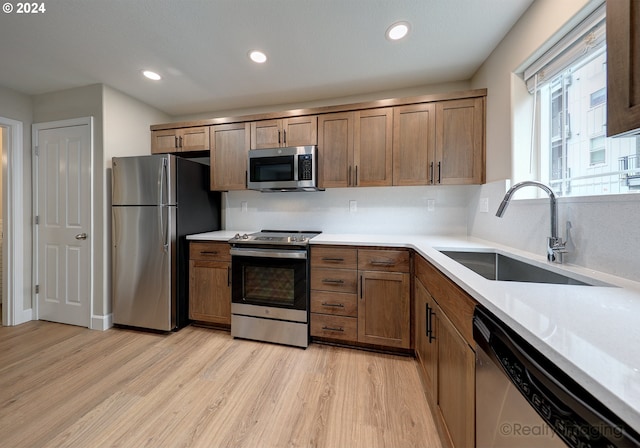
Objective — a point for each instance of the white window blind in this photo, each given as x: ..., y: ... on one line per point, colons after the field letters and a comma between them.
x: 588, y: 37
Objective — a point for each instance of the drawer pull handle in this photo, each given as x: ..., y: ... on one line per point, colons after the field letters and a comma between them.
x: 335, y: 305
x: 333, y: 260
x: 208, y: 252
x: 382, y: 262
x: 333, y: 281
x: 333, y: 329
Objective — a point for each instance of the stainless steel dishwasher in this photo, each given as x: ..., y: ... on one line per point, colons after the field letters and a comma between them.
x: 524, y: 400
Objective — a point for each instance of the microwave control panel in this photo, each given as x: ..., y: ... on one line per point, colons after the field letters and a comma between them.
x: 305, y: 167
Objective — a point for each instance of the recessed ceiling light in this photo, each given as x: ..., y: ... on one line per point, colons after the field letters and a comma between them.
x: 152, y: 75
x: 398, y: 30
x: 257, y: 56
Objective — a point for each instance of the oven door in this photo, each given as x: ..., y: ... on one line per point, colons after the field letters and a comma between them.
x: 270, y: 283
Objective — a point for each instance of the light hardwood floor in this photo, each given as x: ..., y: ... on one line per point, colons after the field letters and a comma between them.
x: 68, y: 386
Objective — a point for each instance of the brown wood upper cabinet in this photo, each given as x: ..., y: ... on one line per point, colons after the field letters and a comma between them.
x: 414, y: 144
x: 355, y: 148
x: 372, y: 148
x: 180, y: 140
x: 623, y: 67
x: 335, y: 149
x: 459, y: 150
x: 294, y: 131
x: 229, y: 148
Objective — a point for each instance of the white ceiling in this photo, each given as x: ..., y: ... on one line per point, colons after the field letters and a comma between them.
x: 317, y: 49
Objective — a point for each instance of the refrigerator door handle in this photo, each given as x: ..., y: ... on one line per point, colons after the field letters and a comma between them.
x: 164, y: 230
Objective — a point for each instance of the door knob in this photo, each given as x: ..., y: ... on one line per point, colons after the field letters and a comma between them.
x: 81, y: 236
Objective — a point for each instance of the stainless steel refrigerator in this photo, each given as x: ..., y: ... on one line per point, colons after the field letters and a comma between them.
x: 156, y: 201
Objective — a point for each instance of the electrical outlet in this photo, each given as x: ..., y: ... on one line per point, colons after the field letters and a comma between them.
x: 353, y: 206
x: 243, y: 206
x: 431, y: 205
x: 484, y: 205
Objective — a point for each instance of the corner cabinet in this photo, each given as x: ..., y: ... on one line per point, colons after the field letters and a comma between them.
x: 623, y: 67
x: 180, y: 140
x: 229, y: 150
x: 384, y: 307
x: 361, y: 295
x: 210, y: 283
x: 295, y: 131
x: 443, y: 324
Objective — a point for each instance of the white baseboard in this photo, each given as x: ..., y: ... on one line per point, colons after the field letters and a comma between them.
x: 102, y: 323
x: 24, y: 316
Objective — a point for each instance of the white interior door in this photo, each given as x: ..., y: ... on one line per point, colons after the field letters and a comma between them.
x: 63, y: 210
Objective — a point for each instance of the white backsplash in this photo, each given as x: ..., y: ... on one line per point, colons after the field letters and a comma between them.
x: 379, y: 210
x: 604, y: 234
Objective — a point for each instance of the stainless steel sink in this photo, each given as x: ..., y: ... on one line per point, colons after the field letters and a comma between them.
x: 495, y: 266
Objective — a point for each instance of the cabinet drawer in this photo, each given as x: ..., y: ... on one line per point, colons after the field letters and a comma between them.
x: 384, y: 260
x: 337, y: 280
x: 337, y: 303
x: 209, y: 251
x: 334, y: 327
x: 331, y: 257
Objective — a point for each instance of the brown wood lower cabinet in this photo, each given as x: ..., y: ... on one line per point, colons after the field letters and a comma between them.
x: 361, y: 295
x: 445, y: 352
x: 209, y: 283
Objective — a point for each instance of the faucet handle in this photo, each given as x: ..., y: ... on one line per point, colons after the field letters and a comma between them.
x: 555, y: 249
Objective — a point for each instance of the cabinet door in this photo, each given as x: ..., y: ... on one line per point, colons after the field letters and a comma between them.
x: 164, y: 141
x: 460, y: 155
x: 456, y: 382
x: 193, y: 139
x: 209, y: 292
x: 229, y: 150
x: 414, y: 139
x: 266, y: 134
x: 623, y: 67
x: 373, y: 147
x: 426, y: 337
x: 383, y: 311
x: 300, y: 131
x: 335, y: 150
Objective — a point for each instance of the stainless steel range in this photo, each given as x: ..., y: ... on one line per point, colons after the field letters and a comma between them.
x: 270, y: 286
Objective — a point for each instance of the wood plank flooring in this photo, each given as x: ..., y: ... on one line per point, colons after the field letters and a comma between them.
x: 68, y: 386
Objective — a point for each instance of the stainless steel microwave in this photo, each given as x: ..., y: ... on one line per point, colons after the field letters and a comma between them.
x: 293, y: 168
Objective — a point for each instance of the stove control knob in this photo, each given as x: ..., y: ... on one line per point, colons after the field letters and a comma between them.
x: 245, y: 237
x: 237, y: 236
x: 294, y: 238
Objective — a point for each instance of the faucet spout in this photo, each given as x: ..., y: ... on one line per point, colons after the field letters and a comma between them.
x: 555, y: 246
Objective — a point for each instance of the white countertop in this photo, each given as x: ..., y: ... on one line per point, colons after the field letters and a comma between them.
x: 590, y: 332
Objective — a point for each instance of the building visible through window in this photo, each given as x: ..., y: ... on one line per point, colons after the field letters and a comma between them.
x: 575, y: 156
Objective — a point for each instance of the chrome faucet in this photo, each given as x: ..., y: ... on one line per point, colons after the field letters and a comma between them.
x: 555, y: 246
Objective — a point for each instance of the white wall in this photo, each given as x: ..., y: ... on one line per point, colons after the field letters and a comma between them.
x: 398, y: 93
x: 121, y: 127
x: 380, y: 210
x: 126, y: 133
x: 17, y: 106
x: 603, y: 235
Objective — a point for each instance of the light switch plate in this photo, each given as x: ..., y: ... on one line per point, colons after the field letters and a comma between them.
x: 353, y: 206
x: 431, y: 205
x: 243, y: 206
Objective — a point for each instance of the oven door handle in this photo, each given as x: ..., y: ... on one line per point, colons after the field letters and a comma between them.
x: 268, y: 253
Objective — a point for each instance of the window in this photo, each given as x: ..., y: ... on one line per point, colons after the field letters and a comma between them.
x: 568, y: 83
